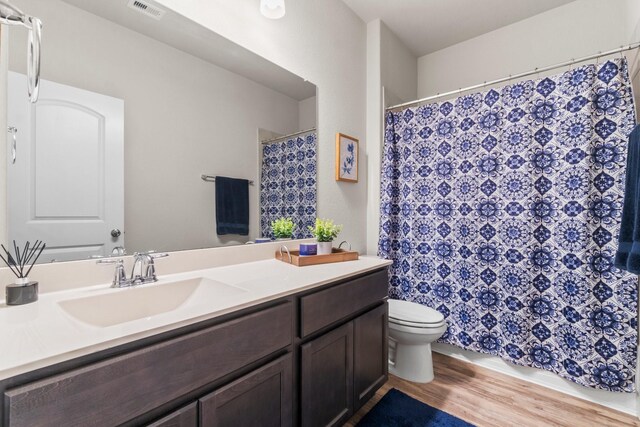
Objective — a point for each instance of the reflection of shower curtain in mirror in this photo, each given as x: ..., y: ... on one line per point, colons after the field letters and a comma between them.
x: 288, y: 184
x: 501, y: 210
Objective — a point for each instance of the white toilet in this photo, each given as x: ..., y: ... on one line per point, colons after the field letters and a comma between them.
x: 412, y: 329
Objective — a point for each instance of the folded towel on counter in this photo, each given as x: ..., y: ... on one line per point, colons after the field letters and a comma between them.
x: 628, y: 254
x: 232, y: 206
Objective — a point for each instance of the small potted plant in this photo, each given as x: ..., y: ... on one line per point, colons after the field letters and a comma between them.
x: 282, y: 228
x: 325, y: 231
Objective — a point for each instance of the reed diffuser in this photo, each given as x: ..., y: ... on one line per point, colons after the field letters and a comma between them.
x: 20, y: 263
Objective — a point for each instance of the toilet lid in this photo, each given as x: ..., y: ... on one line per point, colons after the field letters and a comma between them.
x: 411, y: 313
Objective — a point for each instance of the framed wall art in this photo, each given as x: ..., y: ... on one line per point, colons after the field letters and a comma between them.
x: 346, y: 158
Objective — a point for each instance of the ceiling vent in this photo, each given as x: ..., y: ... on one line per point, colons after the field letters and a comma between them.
x: 147, y: 9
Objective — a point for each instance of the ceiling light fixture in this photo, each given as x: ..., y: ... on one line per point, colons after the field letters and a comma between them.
x: 272, y: 9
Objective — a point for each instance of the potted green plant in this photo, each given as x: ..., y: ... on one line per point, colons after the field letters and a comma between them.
x: 282, y: 228
x: 325, y: 231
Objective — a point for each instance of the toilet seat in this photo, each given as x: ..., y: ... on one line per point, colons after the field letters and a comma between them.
x: 417, y: 325
x: 414, y: 315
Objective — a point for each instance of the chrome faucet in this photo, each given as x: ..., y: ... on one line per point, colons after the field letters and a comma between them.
x: 142, y: 262
x: 120, y: 277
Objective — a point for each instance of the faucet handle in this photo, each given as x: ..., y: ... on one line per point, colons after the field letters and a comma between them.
x: 120, y: 277
x: 150, y: 273
x: 108, y: 261
x: 155, y: 255
x: 151, y: 254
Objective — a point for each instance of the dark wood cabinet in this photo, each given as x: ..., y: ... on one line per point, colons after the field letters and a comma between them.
x: 259, y: 399
x: 370, y: 354
x: 327, y: 378
x: 183, y: 417
x: 328, y: 306
x: 310, y: 359
x: 119, y: 389
x: 342, y: 369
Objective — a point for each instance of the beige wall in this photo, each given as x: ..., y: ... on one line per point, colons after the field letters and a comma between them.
x: 183, y: 117
x: 324, y: 42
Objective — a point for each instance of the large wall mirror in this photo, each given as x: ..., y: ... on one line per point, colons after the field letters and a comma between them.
x: 140, y: 110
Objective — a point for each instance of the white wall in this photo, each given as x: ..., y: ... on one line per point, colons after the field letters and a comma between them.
x: 325, y: 43
x: 579, y: 28
x: 307, y: 112
x: 399, y: 68
x: 392, y: 66
x: 183, y: 117
x: 374, y: 132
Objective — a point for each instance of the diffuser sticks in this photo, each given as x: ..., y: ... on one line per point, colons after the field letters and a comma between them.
x: 20, y: 263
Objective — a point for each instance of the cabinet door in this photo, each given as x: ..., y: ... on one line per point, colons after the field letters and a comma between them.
x: 183, y: 417
x: 370, y: 354
x: 327, y: 378
x: 261, y: 398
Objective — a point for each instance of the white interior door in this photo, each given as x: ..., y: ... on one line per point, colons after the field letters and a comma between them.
x: 66, y: 186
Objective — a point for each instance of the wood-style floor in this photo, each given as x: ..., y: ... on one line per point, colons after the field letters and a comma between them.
x: 487, y: 398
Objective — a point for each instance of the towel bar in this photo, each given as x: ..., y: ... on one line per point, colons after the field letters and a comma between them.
x: 212, y: 178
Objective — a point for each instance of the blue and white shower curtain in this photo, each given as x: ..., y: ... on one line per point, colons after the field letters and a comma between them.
x: 288, y: 184
x: 501, y: 210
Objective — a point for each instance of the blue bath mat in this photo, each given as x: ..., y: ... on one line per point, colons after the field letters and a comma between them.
x: 396, y: 409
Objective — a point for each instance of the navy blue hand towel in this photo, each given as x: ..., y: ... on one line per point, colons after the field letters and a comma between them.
x: 232, y: 206
x: 628, y: 254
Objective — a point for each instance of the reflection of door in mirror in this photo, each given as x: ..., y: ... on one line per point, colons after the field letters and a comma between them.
x: 66, y: 186
x: 4, y: 68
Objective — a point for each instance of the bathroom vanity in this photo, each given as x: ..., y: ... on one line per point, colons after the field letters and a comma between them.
x: 308, y: 350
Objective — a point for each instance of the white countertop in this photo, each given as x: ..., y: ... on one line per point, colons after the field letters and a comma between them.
x: 42, y: 333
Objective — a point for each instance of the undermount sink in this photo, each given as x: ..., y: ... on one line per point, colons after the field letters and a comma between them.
x: 145, y: 301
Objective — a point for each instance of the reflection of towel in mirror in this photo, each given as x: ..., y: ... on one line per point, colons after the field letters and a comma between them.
x: 232, y: 206
x: 628, y: 255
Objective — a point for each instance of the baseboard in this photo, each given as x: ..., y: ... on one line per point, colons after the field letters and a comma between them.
x: 624, y: 402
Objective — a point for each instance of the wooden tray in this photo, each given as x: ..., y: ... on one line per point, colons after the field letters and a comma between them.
x: 338, y: 255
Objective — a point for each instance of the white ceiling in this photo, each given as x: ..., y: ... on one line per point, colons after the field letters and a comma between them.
x: 426, y: 26
x: 187, y: 36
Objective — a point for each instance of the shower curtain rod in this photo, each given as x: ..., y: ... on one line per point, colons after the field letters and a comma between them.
x: 518, y: 76
x: 269, y: 141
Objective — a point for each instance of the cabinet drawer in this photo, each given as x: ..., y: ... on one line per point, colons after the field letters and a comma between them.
x: 325, y: 307
x: 122, y: 388
x: 261, y: 398
x: 183, y: 417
